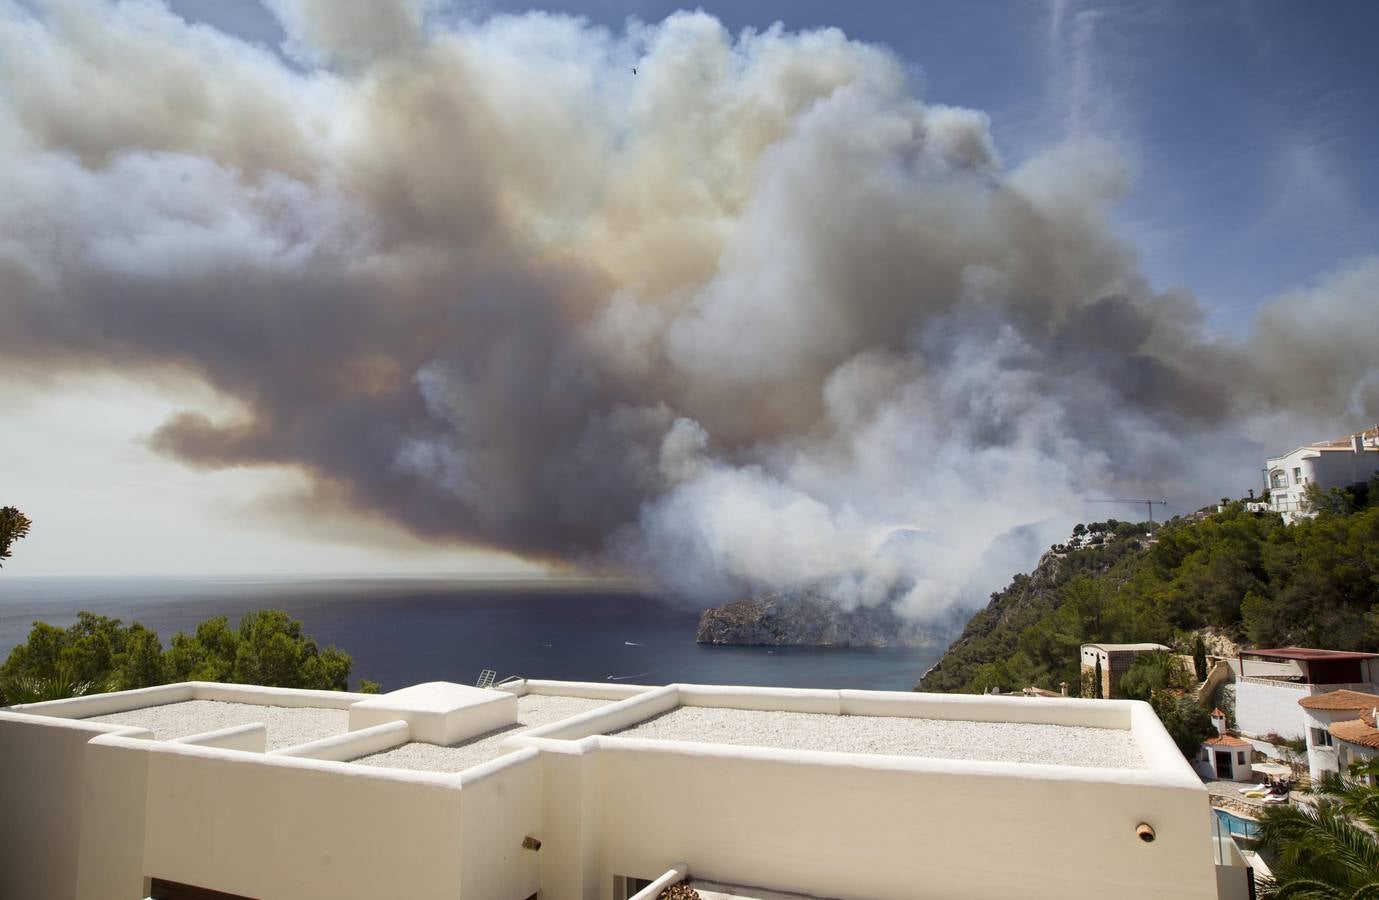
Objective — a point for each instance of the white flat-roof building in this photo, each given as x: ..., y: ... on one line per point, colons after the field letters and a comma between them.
x: 1115, y: 660
x: 575, y: 791
x: 1327, y: 464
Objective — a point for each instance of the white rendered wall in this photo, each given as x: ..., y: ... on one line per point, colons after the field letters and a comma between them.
x: 41, y: 802
x: 1354, y: 753
x: 857, y: 826
x: 277, y: 827
x: 1261, y: 708
x: 500, y: 805
x: 1339, y: 468
x: 1321, y: 758
x: 860, y: 827
x: 114, y: 783
x: 1265, y: 706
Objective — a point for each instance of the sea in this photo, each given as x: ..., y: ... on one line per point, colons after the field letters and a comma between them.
x: 402, y: 631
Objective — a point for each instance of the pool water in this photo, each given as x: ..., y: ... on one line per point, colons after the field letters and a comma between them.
x: 1236, y: 824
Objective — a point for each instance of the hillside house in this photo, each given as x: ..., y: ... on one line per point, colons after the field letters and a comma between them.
x: 1357, y: 740
x: 1270, y: 682
x: 1327, y: 464
x: 1115, y: 660
x: 1339, y: 729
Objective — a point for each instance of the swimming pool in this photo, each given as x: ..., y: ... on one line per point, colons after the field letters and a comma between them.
x: 1236, y: 824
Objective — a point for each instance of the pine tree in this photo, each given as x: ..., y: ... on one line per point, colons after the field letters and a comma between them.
x: 1199, y: 658
x: 13, y: 526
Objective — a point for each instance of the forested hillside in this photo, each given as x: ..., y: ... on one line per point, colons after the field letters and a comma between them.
x: 1245, y: 574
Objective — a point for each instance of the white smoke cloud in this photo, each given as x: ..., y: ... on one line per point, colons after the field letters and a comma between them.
x: 753, y: 315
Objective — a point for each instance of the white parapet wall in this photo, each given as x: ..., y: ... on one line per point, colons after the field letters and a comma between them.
x: 252, y: 738
x: 840, y: 825
x: 124, y: 701
x: 353, y: 744
x: 852, y: 825
x: 610, y: 718
x: 273, y: 826
x: 592, y: 690
x: 42, y: 803
x: 106, y: 704
x: 965, y: 707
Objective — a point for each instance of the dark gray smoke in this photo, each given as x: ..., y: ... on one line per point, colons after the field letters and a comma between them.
x: 729, y: 323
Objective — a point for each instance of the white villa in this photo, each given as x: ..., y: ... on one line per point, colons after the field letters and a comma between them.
x: 1340, y: 730
x: 1114, y: 660
x: 578, y: 791
x: 1339, y: 463
x: 1270, y: 682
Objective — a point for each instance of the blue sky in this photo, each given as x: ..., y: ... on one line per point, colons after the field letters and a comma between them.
x: 1251, y: 125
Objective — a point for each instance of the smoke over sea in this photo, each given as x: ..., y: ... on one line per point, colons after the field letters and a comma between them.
x: 743, y: 318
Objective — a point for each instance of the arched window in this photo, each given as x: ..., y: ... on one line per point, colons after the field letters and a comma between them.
x: 1278, y: 478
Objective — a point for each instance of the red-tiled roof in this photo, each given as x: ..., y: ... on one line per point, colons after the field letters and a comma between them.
x: 1227, y: 740
x: 1308, y: 654
x: 1217, y: 713
x: 1345, y: 443
x: 1357, y: 731
x: 1340, y: 700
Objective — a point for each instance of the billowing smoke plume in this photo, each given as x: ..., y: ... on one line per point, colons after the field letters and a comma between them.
x: 753, y: 314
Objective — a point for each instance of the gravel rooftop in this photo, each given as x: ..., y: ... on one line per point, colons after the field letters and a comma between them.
x: 533, y: 710
x: 990, y: 741
x: 287, y: 726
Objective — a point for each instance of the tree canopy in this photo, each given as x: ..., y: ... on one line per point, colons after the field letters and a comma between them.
x: 13, y: 526
x: 1326, y: 849
x: 1314, y: 583
x: 99, y: 653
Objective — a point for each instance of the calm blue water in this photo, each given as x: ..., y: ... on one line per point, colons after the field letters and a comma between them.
x: 403, y: 631
x: 1237, y: 825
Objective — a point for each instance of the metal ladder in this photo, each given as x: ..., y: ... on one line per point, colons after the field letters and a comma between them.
x: 486, y: 678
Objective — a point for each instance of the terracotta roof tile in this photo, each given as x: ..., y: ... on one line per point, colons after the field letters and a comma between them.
x: 1340, y: 700
x: 1356, y: 731
x: 1227, y: 740
x: 1344, y: 443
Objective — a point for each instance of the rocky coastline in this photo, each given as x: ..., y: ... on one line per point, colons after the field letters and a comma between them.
x: 810, y: 616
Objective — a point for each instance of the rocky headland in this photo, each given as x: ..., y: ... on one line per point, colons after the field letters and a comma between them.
x: 810, y: 615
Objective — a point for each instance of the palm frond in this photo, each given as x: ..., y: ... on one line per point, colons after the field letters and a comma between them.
x: 38, y: 688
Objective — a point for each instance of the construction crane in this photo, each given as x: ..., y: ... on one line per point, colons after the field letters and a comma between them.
x: 1148, y: 504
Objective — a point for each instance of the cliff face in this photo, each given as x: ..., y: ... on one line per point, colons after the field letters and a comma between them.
x: 993, y: 633
x: 809, y: 616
